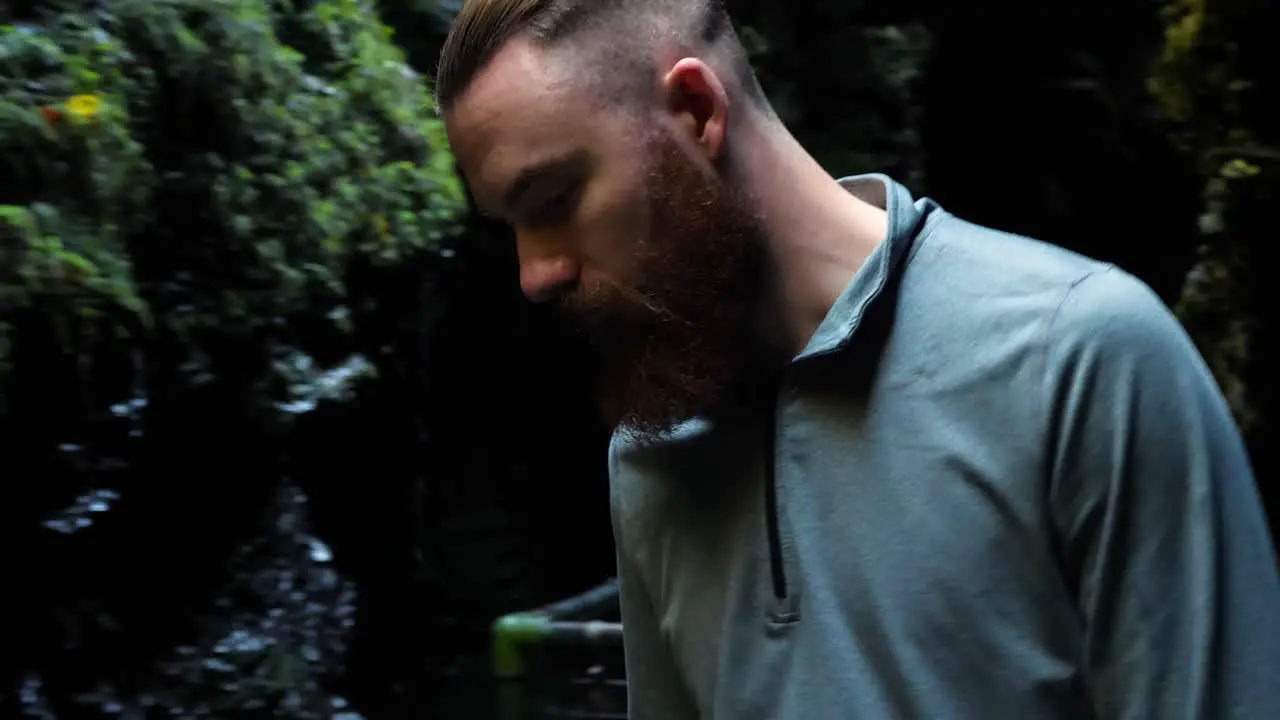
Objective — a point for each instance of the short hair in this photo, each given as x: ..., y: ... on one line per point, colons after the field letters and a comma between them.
x: 613, y: 31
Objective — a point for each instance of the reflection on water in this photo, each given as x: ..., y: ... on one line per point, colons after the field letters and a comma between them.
x: 78, y: 515
x: 309, y: 385
x: 31, y: 695
x: 269, y: 659
x: 275, y: 631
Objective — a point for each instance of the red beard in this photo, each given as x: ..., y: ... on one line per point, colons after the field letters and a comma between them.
x: 677, y: 340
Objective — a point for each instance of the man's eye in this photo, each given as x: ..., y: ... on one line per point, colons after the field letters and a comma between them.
x: 556, y: 209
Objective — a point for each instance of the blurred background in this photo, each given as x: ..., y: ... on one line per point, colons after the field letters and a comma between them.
x: 278, y: 435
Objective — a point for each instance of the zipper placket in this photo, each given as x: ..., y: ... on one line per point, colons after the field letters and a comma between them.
x: 781, y: 610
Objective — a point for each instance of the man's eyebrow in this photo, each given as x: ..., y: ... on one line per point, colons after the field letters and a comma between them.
x: 553, y: 168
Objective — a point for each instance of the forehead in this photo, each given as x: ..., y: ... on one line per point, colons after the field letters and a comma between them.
x: 527, y: 106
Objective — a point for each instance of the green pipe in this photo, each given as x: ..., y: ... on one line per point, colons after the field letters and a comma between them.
x: 510, y: 633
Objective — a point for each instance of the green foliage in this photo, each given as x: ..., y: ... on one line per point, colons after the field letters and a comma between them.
x: 210, y: 166
x: 1205, y: 89
x: 213, y: 213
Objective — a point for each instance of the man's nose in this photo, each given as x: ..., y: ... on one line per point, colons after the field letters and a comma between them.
x: 544, y: 275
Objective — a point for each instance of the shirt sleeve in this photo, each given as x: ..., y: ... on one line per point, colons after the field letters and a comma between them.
x: 1163, y: 535
x: 654, y: 688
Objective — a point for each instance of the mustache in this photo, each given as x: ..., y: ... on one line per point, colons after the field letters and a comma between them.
x: 614, y: 296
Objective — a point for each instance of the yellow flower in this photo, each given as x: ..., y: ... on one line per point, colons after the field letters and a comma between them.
x: 84, y: 107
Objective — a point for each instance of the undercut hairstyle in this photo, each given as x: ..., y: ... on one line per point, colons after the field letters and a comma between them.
x: 612, y: 42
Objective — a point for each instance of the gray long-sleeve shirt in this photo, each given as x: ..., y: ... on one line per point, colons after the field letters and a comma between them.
x: 1002, y: 484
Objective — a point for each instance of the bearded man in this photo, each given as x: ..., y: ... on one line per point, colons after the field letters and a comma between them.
x: 872, y: 461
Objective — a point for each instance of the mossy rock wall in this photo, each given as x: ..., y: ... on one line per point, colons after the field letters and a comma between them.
x: 216, y: 219
x: 1215, y: 79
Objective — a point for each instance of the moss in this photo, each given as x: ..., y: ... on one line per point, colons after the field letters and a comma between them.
x: 234, y: 159
x: 1204, y: 90
x: 215, y: 216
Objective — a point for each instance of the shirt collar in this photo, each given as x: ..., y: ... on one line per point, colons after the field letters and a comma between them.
x: 905, y: 216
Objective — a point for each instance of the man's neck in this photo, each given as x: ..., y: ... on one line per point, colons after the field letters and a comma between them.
x: 818, y: 234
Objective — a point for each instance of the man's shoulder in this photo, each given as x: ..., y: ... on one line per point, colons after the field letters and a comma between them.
x: 980, y: 309
x: 968, y: 292
x: 998, y: 263
x: 1110, y: 318
x: 972, y: 292
x: 1077, y: 300
x: 977, y: 284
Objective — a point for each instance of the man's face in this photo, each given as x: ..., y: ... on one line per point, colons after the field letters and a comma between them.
x: 625, y: 228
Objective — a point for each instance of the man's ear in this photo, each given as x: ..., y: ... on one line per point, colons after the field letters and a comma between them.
x: 700, y: 104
